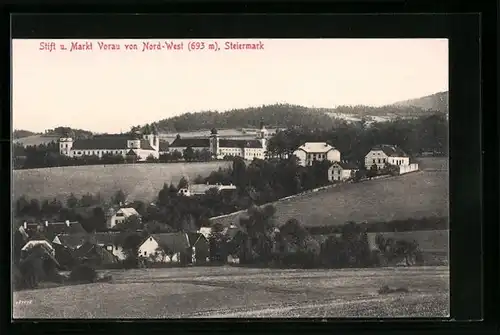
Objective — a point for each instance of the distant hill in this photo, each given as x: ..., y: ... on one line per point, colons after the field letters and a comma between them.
x: 289, y: 116
x: 20, y: 133
x: 282, y: 115
x: 437, y: 102
x: 48, y: 136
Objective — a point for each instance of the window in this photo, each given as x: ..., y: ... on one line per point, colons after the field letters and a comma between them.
x: 150, y: 238
x: 145, y: 253
x: 373, y: 161
x: 109, y: 247
x: 379, y: 160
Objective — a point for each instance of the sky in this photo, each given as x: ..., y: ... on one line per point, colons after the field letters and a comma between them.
x: 111, y: 90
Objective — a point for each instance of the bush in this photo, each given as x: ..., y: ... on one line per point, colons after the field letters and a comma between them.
x: 83, y: 273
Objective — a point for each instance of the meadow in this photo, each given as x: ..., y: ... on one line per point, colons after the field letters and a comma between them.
x: 35, y: 140
x: 231, y: 292
x: 414, y: 195
x: 138, y: 181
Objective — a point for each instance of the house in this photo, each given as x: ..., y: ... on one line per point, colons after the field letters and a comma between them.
x: 126, y: 145
x: 121, y: 215
x: 247, y: 149
x: 110, y: 241
x: 383, y: 154
x: 341, y: 171
x: 205, y: 231
x: 201, y: 189
x: 310, y: 152
x: 94, y: 255
x: 44, y: 243
x: 52, y: 229
x: 174, y: 248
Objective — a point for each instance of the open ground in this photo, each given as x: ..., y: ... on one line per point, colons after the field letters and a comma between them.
x: 414, y: 195
x: 228, y: 292
x: 138, y: 181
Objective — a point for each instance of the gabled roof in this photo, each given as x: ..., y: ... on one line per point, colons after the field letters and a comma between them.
x: 72, y: 241
x: 390, y: 150
x: 230, y: 143
x: 173, y: 242
x: 316, y: 147
x: 109, y: 238
x: 55, y: 228
x: 231, y: 232
x: 195, y: 238
x: 92, y: 251
x: 128, y: 211
x: 43, y: 243
x: 131, y: 153
x: 190, y: 142
x: 102, y: 142
x: 346, y: 165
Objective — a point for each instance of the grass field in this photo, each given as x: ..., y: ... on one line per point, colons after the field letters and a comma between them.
x: 229, y: 292
x: 414, y: 195
x: 138, y: 181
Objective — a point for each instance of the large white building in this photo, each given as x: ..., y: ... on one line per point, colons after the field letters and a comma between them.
x: 310, y: 152
x: 383, y: 154
x: 247, y: 149
x: 137, y: 146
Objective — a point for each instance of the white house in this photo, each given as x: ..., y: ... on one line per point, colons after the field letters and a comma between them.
x: 316, y: 151
x: 164, y: 248
x: 121, y: 215
x: 341, y: 171
x: 384, y: 153
x: 200, y: 189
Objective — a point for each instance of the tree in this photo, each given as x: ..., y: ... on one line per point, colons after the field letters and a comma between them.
x: 119, y: 197
x: 131, y: 245
x: 259, y: 225
x: 72, y: 201
x: 218, y: 244
x: 188, y: 154
x: 183, y: 183
x: 151, y: 159
x: 372, y: 172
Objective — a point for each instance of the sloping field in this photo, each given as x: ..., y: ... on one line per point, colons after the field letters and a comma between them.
x: 239, y: 292
x: 414, y: 195
x: 138, y: 181
x: 36, y: 140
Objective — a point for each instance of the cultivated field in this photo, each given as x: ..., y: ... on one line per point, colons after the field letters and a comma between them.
x: 229, y: 292
x: 138, y: 181
x: 414, y: 195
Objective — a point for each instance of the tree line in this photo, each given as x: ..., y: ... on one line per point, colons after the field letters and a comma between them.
x: 354, y: 140
x: 292, y: 245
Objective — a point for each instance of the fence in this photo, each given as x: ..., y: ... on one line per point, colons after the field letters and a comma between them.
x: 408, y: 168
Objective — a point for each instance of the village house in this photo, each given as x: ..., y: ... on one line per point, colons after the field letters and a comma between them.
x: 201, y: 189
x: 52, y: 229
x: 341, y: 171
x: 110, y: 241
x: 383, y: 154
x: 94, y: 255
x: 310, y: 152
x: 185, y: 248
x: 134, y: 146
x: 121, y: 216
x: 44, y: 243
x: 219, y: 148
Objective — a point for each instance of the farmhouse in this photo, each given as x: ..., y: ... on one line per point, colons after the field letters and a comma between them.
x: 45, y: 244
x: 310, y: 152
x: 52, y: 229
x: 175, y: 248
x: 135, y: 146
x: 247, y: 149
x: 95, y: 255
x: 383, y: 154
x: 110, y: 241
x: 121, y: 215
x: 201, y: 189
x: 341, y: 171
